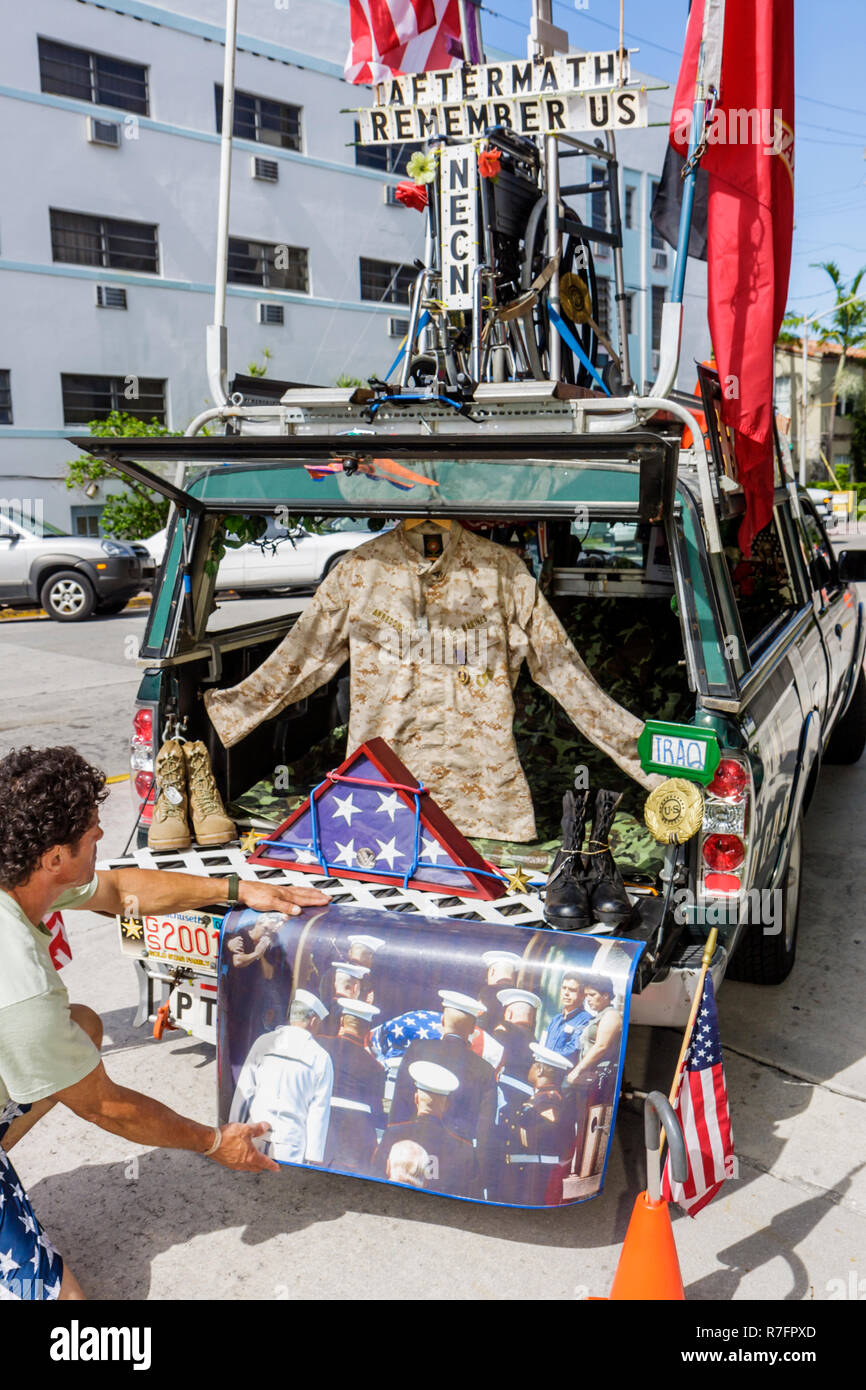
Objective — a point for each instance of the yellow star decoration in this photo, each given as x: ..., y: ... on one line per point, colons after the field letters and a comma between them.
x: 251, y: 840
x: 131, y: 928
x: 517, y: 881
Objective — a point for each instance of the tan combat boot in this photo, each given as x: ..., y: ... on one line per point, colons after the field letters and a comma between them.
x: 169, y: 828
x: 211, y: 825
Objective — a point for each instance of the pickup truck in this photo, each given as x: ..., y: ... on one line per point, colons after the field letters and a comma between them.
x: 633, y: 535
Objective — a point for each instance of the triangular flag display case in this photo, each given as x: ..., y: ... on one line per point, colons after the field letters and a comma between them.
x: 371, y: 819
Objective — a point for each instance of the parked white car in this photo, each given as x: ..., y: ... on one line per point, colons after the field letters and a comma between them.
x: 284, y: 558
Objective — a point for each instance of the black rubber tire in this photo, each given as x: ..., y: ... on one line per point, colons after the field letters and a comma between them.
x: 848, y: 739
x: 763, y: 959
x: 110, y: 606
x: 68, y: 597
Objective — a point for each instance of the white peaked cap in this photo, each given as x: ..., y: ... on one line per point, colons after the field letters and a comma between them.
x: 370, y: 943
x: 358, y: 1008
x: 435, y: 1080
x: 310, y: 1001
x: 349, y: 967
x: 518, y: 996
x: 464, y: 1003
x: 549, y: 1058
x: 506, y: 957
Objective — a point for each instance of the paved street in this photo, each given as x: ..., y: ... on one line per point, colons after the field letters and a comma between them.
x: 136, y: 1223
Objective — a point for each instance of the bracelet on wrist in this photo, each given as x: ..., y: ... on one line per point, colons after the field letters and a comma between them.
x: 209, y: 1153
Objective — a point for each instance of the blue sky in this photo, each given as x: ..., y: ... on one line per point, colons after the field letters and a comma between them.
x: 830, y: 121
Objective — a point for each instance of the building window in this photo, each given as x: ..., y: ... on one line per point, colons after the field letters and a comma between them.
x: 658, y: 306
x: 391, y: 159
x: 629, y: 311
x: 258, y: 118
x: 628, y: 211
x: 271, y: 267
x: 657, y: 241
x: 783, y: 395
x: 74, y: 72
x: 598, y: 200
x: 602, y: 305
x: 385, y: 282
x: 104, y: 241
x: 85, y: 521
x: 87, y: 398
x: 5, y: 398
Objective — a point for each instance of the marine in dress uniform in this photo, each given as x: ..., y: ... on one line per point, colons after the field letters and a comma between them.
x: 502, y: 968
x: 349, y: 982
x: 454, y: 733
x: 360, y: 950
x: 471, y: 1110
x: 359, y: 1084
x: 540, y: 1135
x: 448, y: 1162
x: 287, y: 1080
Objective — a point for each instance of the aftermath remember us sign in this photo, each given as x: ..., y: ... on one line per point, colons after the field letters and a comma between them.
x: 571, y: 93
x: 463, y: 1058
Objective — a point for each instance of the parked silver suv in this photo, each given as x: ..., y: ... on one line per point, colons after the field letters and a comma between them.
x: 72, y: 577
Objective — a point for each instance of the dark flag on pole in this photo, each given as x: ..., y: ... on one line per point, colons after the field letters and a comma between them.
x: 665, y: 210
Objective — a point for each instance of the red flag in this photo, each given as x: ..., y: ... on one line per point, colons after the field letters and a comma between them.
x: 702, y: 1109
x: 59, y: 948
x: 394, y: 36
x: 750, y: 164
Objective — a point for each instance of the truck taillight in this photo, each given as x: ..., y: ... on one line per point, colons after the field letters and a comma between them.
x: 723, y: 852
x: 141, y: 755
x: 725, y: 833
x: 730, y: 782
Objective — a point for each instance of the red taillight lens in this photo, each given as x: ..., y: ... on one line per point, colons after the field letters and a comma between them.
x: 731, y: 780
x: 143, y: 784
x: 722, y: 883
x: 723, y: 852
x: 142, y: 725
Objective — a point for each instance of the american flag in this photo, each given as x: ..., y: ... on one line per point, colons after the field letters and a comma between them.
x: 390, y: 1040
x: 58, y: 947
x: 394, y: 36
x: 702, y: 1109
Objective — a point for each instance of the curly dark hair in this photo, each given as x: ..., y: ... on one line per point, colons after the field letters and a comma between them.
x: 47, y: 797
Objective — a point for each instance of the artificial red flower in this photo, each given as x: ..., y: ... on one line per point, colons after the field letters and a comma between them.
x: 488, y: 163
x: 413, y: 195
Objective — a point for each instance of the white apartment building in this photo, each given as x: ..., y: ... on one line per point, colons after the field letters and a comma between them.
x: 109, y: 132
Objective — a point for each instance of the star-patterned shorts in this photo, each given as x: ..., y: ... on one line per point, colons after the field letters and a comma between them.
x: 30, y: 1267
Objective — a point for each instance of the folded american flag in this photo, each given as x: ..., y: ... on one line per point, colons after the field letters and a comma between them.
x: 58, y: 947
x: 702, y: 1109
x: 392, y: 36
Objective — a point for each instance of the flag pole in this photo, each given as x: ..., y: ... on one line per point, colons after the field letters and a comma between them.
x: 699, y: 112
x: 709, y: 952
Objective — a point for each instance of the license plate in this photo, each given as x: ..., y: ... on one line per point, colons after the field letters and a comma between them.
x: 188, y: 939
x: 192, y: 1003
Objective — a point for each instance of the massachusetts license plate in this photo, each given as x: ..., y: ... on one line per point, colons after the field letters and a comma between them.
x: 179, y: 938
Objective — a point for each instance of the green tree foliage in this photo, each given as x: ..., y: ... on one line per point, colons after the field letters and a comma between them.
x: 137, y: 511
x: 847, y: 327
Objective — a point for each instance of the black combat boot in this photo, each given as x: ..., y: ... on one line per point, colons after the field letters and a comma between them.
x: 610, y: 904
x: 566, y: 905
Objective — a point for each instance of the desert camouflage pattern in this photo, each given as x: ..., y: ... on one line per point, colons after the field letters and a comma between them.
x: 436, y: 645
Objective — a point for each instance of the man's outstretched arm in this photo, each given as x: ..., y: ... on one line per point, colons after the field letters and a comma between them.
x: 146, y: 1121
x: 135, y: 892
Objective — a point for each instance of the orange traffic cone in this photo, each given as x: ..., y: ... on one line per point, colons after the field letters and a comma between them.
x: 648, y: 1266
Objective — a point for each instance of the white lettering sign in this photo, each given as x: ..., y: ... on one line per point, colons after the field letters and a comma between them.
x: 459, y: 185
x: 670, y: 751
x: 571, y: 93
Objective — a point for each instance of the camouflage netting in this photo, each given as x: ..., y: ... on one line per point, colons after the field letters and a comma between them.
x: 634, y: 649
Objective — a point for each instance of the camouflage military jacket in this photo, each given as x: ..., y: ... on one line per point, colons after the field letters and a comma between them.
x: 436, y: 645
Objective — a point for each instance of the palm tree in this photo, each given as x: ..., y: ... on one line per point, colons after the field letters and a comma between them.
x: 847, y: 327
